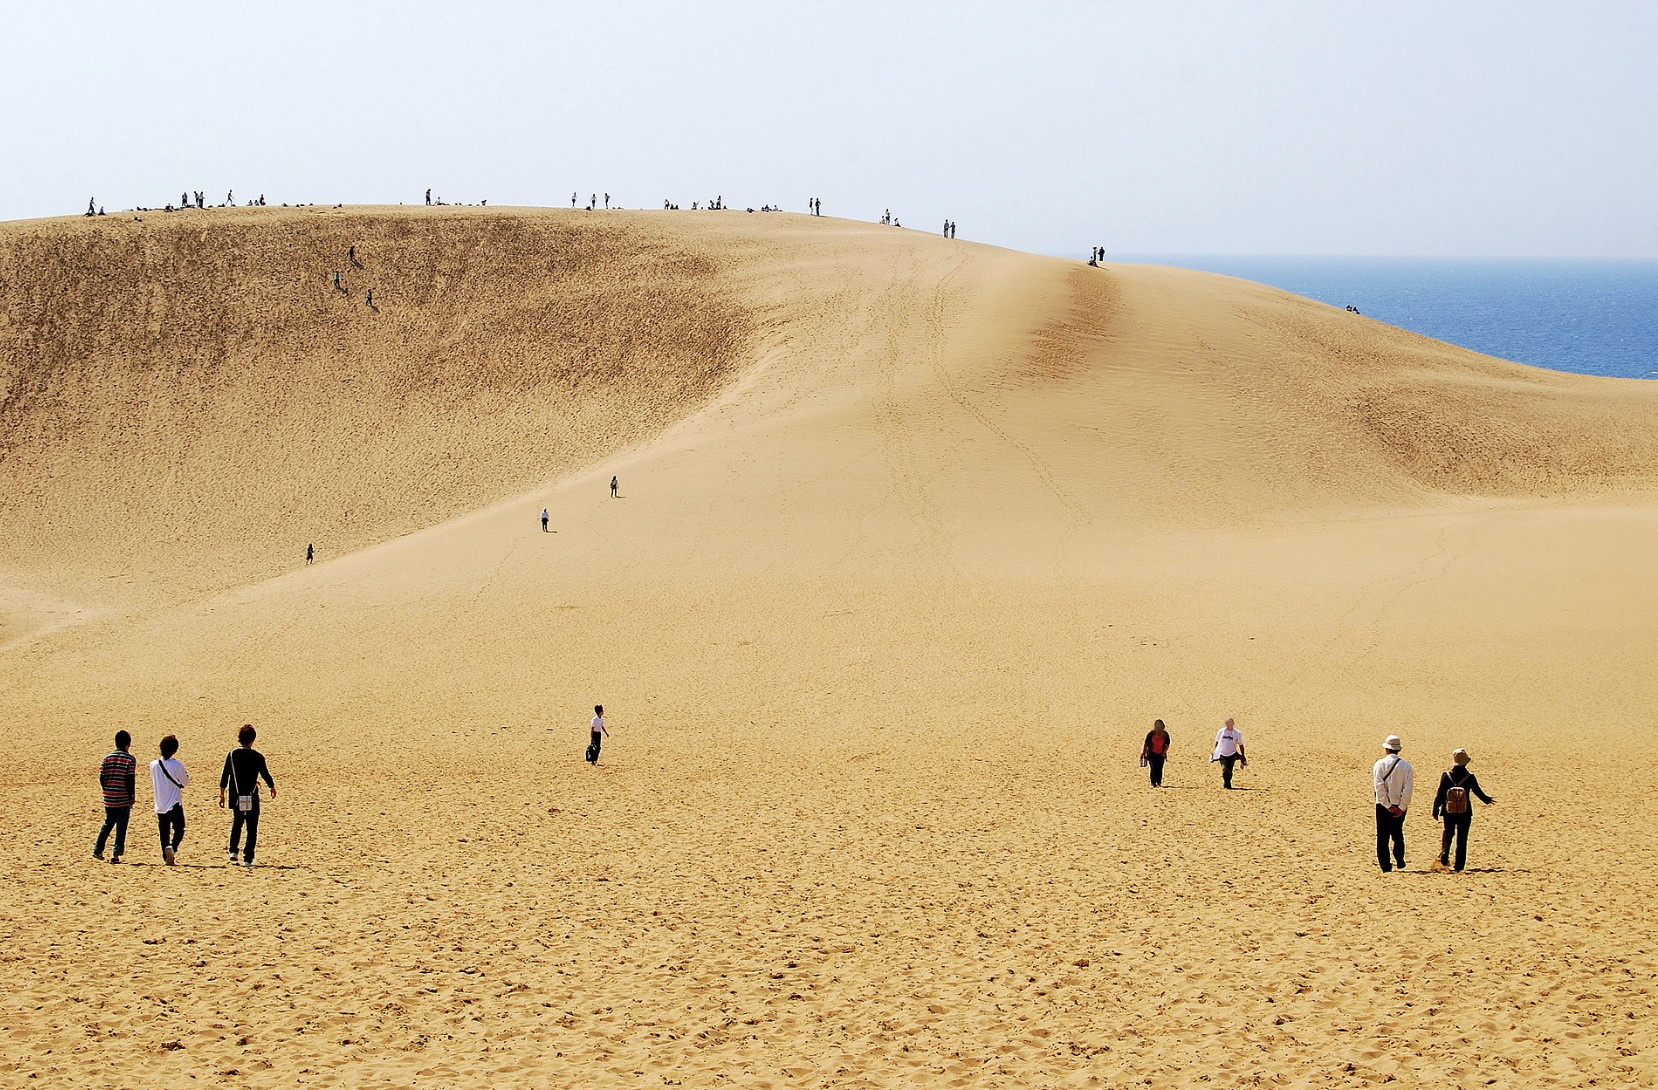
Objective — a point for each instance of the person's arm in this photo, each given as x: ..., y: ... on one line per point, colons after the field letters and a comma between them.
x: 224, y: 779
x: 1439, y: 796
x: 265, y: 771
x: 1406, y: 787
x: 132, y: 783
x: 183, y: 773
x: 1474, y: 786
x: 1145, y: 748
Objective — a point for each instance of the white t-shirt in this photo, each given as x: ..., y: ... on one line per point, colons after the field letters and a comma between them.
x: 598, y: 724
x: 167, y: 795
x: 1228, y: 741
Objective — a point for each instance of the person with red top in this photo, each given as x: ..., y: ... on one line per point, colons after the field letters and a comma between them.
x: 1156, y: 751
x: 118, y: 777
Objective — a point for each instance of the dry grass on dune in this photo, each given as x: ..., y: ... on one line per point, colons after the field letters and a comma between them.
x: 188, y: 401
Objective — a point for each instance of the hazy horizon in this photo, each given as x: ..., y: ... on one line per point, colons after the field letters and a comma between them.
x: 1287, y: 129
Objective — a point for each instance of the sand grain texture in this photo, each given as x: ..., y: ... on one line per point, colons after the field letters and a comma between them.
x: 915, y: 538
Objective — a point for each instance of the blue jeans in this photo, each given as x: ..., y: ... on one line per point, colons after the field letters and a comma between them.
x: 115, y: 818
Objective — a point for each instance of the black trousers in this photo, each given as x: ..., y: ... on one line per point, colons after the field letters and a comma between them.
x: 1156, y: 761
x: 1390, y: 830
x: 239, y: 819
x: 594, y: 745
x: 115, y: 820
x: 171, y: 822
x: 1226, y: 764
x: 1456, y: 825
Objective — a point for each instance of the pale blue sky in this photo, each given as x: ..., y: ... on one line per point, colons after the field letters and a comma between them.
x: 1225, y: 127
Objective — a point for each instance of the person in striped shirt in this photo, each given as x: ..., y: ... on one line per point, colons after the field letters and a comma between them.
x: 118, y: 777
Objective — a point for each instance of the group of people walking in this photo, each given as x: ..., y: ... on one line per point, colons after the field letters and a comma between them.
x: 1228, y: 751
x: 1394, y: 782
x: 244, y: 767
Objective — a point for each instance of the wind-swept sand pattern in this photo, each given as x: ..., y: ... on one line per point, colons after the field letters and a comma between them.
x: 915, y: 538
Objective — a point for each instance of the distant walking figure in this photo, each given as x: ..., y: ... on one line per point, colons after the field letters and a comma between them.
x: 543, y: 520
x: 428, y: 196
x: 351, y: 255
x: 1156, y: 751
x: 1452, y: 802
x: 596, y: 733
x: 371, y: 297
x: 607, y: 200
x: 230, y: 198
x: 337, y: 281
x: 613, y: 488
x: 1229, y: 750
x: 572, y: 200
x: 92, y: 206
x: 168, y: 777
x: 244, y: 767
x: 1394, y: 779
x: 117, y: 777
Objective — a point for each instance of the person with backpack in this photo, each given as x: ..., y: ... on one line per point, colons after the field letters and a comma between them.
x: 168, y: 777
x: 1155, y: 751
x: 1454, y: 802
x: 1394, y: 779
x: 117, y: 776
x: 243, y: 769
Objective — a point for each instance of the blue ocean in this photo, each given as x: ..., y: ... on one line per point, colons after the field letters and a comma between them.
x: 1592, y: 317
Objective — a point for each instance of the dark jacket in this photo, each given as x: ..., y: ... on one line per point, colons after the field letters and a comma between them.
x: 1457, y: 777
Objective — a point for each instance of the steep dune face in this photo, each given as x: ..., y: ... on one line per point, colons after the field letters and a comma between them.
x: 186, y: 402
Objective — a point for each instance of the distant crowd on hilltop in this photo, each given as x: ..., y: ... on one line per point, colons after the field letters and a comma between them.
x: 197, y: 200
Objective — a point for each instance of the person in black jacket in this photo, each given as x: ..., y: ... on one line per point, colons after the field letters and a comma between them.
x: 1453, y: 802
x: 244, y: 767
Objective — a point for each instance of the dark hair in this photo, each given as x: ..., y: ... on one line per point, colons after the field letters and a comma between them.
x: 247, y: 734
x: 169, y: 746
x: 1158, y: 724
x: 122, y: 739
x: 598, y: 709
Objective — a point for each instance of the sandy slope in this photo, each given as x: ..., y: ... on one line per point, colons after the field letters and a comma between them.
x: 914, y: 539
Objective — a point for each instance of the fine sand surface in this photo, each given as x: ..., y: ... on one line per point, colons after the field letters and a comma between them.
x: 914, y: 539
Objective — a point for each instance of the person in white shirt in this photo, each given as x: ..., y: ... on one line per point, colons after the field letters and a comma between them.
x: 168, y: 776
x: 1394, y: 779
x: 1229, y: 750
x: 597, y: 734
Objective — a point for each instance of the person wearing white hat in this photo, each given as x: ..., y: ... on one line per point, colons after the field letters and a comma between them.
x: 1394, y: 779
x: 1451, y: 803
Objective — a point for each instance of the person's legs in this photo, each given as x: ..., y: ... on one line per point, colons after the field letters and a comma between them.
x: 1462, y: 822
x: 1156, y: 770
x: 110, y: 815
x: 253, y: 833
x: 164, y: 824
x: 1445, y: 840
x: 1384, y: 828
x: 122, y: 814
x: 1226, y: 764
x: 598, y: 744
x: 1397, y: 834
x: 236, y: 819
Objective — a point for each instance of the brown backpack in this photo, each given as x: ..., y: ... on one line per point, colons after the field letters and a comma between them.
x: 1456, y: 799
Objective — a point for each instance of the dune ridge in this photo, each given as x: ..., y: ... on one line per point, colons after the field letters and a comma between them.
x: 914, y: 539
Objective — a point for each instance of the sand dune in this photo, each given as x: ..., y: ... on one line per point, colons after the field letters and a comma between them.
x: 914, y: 539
